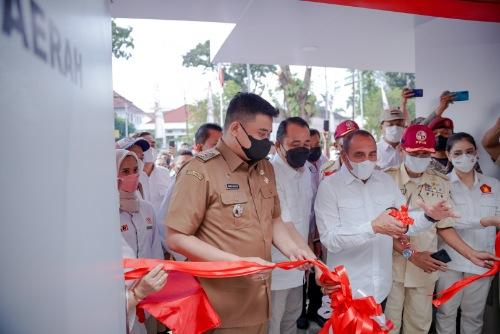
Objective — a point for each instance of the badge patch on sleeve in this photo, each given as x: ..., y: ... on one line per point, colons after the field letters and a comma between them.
x: 194, y: 173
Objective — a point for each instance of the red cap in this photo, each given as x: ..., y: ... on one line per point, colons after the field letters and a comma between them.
x: 418, y: 137
x: 440, y: 123
x: 344, y: 128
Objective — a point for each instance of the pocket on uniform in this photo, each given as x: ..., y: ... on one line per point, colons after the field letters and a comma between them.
x: 236, y: 206
x: 488, y: 206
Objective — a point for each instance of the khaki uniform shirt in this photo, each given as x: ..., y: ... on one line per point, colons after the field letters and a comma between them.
x: 230, y: 205
x: 433, y: 187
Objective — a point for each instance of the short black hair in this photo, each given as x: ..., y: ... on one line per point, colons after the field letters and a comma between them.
x: 314, y: 132
x: 457, y: 137
x: 184, y: 152
x: 245, y: 106
x: 281, y: 132
x: 201, y: 135
x: 351, y: 135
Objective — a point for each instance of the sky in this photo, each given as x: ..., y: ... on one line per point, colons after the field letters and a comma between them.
x: 155, y: 71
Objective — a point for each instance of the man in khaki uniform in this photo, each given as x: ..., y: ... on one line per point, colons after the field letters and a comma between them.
x: 414, y: 271
x: 225, y: 207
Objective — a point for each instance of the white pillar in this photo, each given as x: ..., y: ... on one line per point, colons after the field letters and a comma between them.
x: 60, y: 240
x: 460, y: 55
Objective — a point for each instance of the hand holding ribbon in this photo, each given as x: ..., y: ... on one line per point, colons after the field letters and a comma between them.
x: 402, y: 215
x: 448, y: 293
x: 350, y: 315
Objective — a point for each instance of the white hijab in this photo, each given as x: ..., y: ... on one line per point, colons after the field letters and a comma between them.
x: 129, y: 202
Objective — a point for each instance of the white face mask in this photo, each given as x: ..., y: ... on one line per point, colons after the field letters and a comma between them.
x: 362, y: 170
x: 394, y: 133
x: 416, y: 164
x: 149, y: 156
x: 464, y: 162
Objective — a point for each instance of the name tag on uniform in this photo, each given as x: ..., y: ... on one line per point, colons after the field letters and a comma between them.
x: 232, y: 186
x: 149, y: 227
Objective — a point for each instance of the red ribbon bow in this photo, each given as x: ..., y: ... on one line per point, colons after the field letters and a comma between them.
x: 448, y: 293
x: 350, y: 316
x: 402, y: 215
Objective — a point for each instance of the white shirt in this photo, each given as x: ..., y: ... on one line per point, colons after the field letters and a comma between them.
x: 387, y: 156
x: 345, y: 208
x: 472, y: 205
x: 158, y: 183
x: 161, y: 216
x: 140, y: 232
x: 296, y: 195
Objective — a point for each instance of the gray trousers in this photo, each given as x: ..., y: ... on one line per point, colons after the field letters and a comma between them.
x: 286, y: 306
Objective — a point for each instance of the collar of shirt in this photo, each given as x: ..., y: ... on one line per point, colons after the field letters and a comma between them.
x: 454, y: 178
x: 231, y: 158
x: 285, y: 167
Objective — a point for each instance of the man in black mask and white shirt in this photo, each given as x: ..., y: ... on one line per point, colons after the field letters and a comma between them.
x: 294, y: 185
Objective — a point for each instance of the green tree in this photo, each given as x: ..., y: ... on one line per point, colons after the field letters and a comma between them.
x: 400, y: 80
x: 120, y: 126
x: 199, y: 56
x: 298, y: 99
x: 372, y: 96
x: 122, y: 41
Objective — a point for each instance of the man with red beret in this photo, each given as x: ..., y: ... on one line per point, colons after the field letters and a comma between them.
x: 341, y: 131
x: 442, y: 128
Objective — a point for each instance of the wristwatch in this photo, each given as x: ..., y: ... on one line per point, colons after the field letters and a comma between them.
x: 408, y: 253
x: 432, y: 220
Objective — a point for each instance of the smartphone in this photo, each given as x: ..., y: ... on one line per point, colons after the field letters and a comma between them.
x: 417, y: 92
x: 460, y: 96
x: 326, y: 125
x: 171, y: 143
x: 441, y: 255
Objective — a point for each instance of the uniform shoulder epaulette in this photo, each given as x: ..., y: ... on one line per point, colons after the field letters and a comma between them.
x: 391, y: 170
x: 327, y: 165
x: 207, y: 155
x: 434, y: 172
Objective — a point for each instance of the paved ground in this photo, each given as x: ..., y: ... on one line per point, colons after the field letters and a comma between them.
x: 313, y: 329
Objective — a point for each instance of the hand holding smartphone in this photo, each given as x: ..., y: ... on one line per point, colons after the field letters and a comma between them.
x: 441, y: 255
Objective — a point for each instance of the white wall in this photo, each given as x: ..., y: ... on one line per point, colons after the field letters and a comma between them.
x: 59, y: 241
x: 460, y: 55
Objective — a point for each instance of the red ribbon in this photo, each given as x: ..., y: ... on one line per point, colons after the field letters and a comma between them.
x: 350, y: 315
x: 448, y: 293
x: 402, y: 215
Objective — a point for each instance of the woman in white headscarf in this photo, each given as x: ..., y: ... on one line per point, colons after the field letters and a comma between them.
x: 140, y: 235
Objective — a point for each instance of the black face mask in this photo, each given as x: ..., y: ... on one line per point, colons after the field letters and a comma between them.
x: 314, y: 154
x: 259, y: 148
x: 441, y: 143
x: 296, y: 157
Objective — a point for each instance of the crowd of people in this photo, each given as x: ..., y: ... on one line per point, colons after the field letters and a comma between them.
x: 228, y: 198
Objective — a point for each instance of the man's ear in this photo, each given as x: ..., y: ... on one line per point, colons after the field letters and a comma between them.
x: 345, y: 159
x: 198, y: 148
x: 234, y: 127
